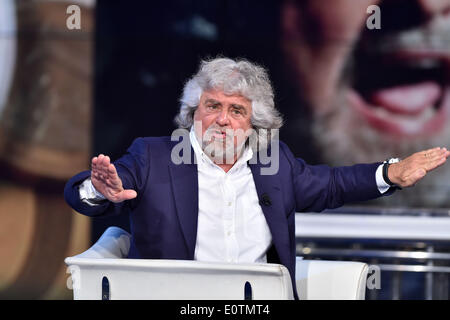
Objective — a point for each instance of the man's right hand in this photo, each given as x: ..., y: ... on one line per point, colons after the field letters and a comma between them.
x: 105, y: 179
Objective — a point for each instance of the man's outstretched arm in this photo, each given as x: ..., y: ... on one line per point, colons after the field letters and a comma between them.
x: 104, y: 189
x: 319, y: 187
x: 412, y: 169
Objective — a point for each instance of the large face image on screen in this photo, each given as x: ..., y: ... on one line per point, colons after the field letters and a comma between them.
x: 374, y: 93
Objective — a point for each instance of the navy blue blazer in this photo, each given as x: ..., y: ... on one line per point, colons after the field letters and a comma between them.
x: 163, y: 216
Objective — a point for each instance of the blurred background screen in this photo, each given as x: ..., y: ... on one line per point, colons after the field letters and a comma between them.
x: 349, y: 93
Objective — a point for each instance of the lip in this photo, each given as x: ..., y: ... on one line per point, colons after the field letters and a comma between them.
x: 428, y: 122
x: 219, y: 135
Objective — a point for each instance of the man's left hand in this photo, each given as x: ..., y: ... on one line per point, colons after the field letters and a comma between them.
x: 409, y: 171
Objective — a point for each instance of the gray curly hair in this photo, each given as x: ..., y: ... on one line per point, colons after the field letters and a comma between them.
x: 233, y: 77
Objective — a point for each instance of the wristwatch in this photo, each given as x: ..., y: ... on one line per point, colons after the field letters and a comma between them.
x: 386, y: 165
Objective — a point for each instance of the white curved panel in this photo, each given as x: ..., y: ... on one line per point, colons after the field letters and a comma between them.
x: 8, y: 43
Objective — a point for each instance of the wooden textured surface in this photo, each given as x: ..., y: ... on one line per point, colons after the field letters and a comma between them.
x: 45, y: 138
x: 45, y: 127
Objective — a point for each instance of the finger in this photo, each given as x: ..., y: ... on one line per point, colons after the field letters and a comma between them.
x: 96, y: 169
x: 105, y: 162
x: 101, y: 157
x: 437, y: 163
x: 430, y: 153
x: 112, y: 169
x: 114, y: 178
x: 426, y: 154
x: 94, y: 164
x: 439, y: 152
x: 430, y: 150
x: 99, y: 166
x: 129, y: 194
x: 105, y: 166
x: 436, y: 152
x: 432, y: 157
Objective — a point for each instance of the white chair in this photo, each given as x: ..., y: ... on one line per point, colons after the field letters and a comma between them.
x: 103, y: 272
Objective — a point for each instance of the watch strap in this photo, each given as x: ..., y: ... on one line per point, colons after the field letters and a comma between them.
x: 386, y: 177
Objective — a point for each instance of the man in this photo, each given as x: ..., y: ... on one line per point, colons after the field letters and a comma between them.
x: 219, y: 204
x: 373, y: 93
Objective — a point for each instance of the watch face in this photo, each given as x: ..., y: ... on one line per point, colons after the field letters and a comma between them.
x: 393, y: 160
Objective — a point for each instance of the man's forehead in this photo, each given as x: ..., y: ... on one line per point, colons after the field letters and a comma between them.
x: 219, y: 96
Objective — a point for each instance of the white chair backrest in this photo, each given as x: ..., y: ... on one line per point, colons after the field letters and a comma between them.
x: 114, y: 243
x: 330, y: 280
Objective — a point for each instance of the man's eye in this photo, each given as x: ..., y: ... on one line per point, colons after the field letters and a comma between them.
x: 236, y: 111
x: 213, y: 106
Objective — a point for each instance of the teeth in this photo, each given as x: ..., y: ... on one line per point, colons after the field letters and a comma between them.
x: 410, y: 123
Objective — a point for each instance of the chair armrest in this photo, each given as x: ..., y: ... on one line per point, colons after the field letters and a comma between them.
x: 114, y: 243
x: 330, y: 280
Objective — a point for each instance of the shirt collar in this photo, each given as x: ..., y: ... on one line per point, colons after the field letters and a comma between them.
x: 246, y: 155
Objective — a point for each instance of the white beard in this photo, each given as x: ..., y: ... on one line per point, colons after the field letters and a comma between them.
x: 223, y: 151
x: 220, y: 152
x: 344, y: 138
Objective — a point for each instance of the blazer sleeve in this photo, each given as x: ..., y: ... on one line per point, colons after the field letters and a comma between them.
x: 320, y: 187
x: 132, y: 168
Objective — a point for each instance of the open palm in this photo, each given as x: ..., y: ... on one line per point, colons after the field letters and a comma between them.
x: 105, y: 179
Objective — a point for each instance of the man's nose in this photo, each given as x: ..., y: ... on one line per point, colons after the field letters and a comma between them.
x: 433, y: 7
x: 222, y: 118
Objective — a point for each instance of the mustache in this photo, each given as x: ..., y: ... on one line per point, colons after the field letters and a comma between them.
x: 230, y: 133
x: 217, y: 129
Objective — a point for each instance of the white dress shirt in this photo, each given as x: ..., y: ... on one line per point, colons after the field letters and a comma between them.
x: 231, y: 223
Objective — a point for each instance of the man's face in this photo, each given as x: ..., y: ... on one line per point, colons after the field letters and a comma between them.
x: 222, y: 123
x: 374, y: 94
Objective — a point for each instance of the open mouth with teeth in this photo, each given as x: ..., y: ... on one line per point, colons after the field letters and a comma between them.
x: 401, y: 92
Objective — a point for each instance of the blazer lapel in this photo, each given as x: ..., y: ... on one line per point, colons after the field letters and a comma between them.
x: 185, y: 190
x: 269, y: 192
